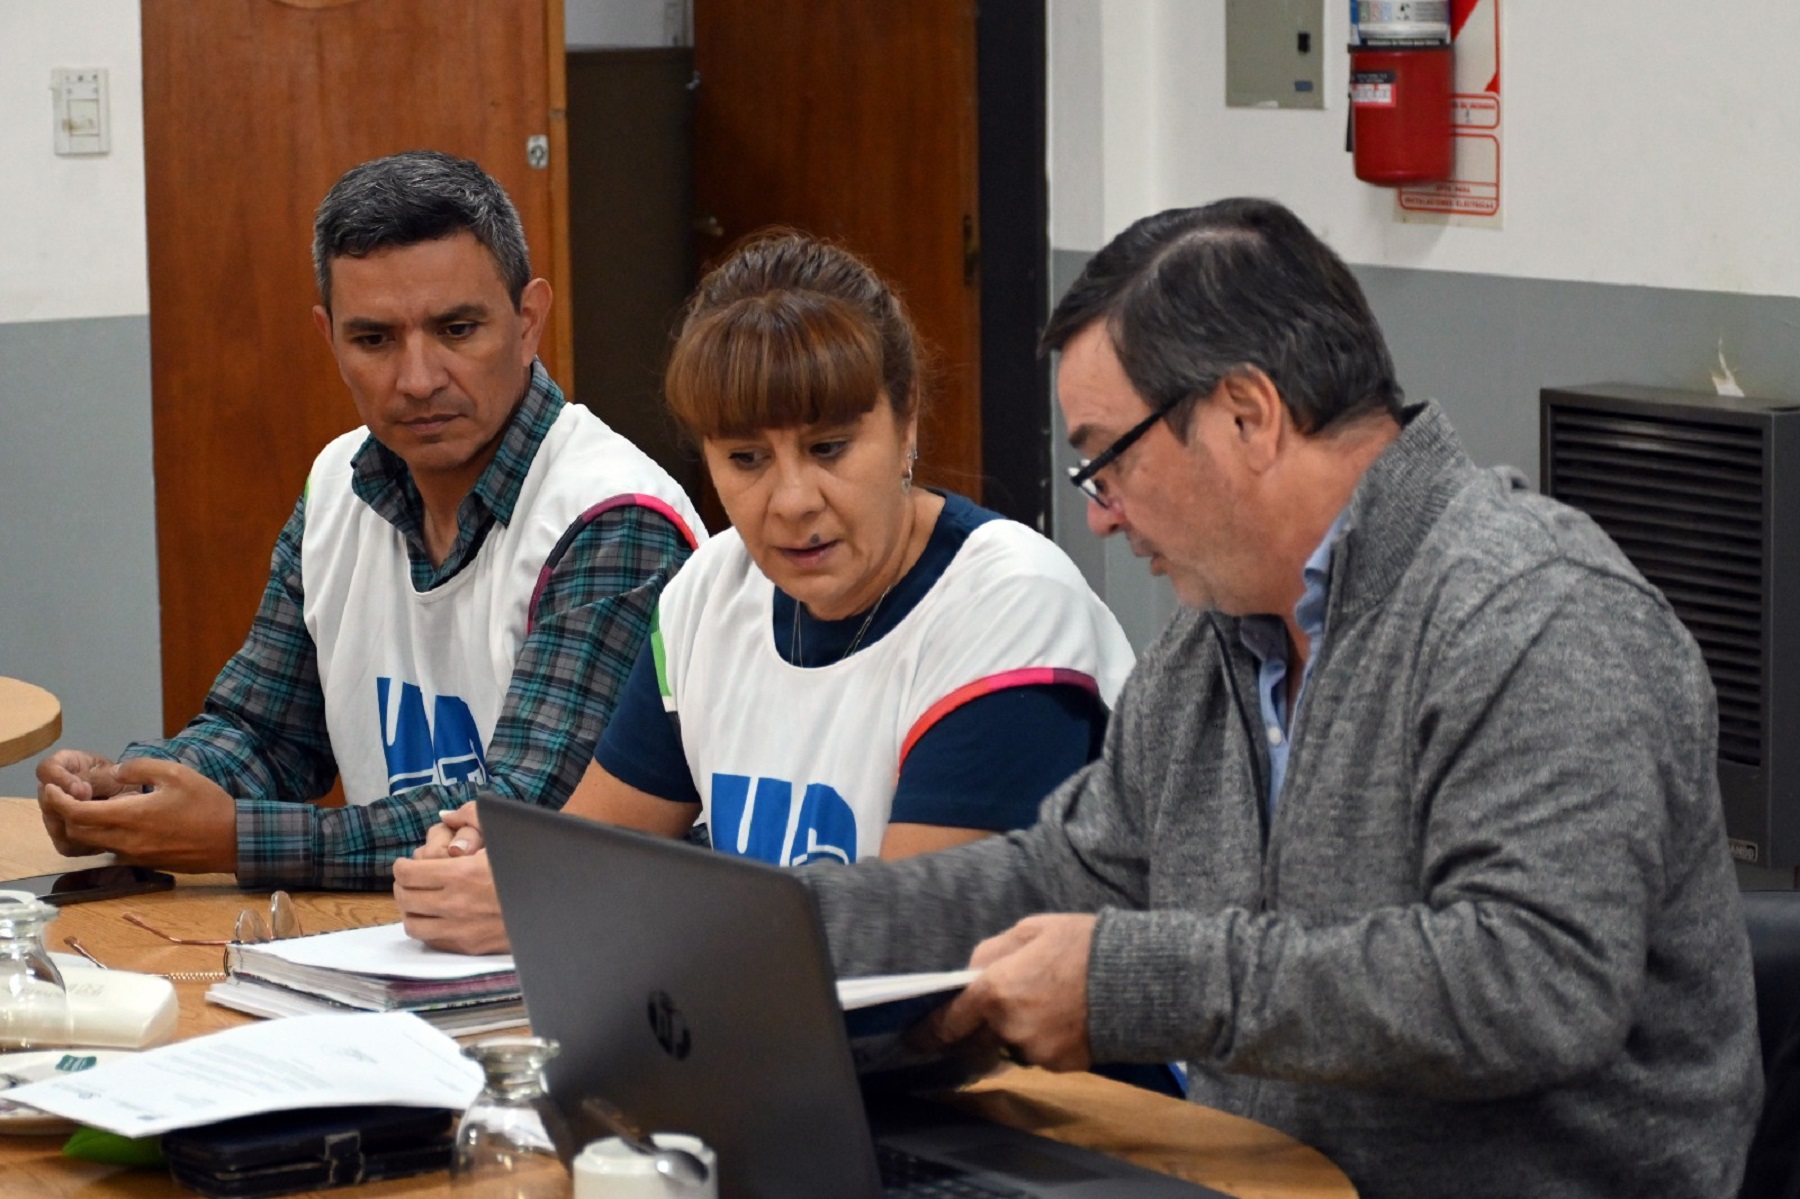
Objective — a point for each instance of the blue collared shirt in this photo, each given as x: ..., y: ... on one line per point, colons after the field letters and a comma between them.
x: 1266, y: 637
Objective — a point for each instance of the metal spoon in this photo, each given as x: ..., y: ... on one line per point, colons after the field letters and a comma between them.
x: 677, y: 1165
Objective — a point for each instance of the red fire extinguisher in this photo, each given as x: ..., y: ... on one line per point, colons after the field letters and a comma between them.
x: 1401, y: 78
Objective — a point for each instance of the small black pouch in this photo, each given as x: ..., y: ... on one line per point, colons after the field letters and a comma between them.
x: 278, y: 1153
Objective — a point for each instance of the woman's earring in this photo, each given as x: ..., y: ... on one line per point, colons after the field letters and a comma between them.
x: 906, y: 479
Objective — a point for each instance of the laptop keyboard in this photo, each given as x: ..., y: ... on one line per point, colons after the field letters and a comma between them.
x: 904, y: 1176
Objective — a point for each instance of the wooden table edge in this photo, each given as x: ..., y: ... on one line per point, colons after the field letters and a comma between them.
x: 40, y: 719
x: 1240, y: 1157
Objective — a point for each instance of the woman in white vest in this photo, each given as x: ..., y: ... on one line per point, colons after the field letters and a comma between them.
x: 860, y: 667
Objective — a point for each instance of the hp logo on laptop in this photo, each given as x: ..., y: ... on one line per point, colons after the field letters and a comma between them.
x: 670, y: 1027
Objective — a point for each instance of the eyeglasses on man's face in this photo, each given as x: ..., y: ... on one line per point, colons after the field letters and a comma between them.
x: 1085, y: 473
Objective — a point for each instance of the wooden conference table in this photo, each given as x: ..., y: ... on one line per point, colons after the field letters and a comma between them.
x: 30, y: 720
x: 1230, y: 1154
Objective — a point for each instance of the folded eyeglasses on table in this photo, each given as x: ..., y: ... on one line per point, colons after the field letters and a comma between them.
x: 251, y: 928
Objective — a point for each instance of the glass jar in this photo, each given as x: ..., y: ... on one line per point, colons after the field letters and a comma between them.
x: 34, y: 1002
x: 511, y: 1143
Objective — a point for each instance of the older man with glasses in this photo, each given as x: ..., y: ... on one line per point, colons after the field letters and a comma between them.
x: 1407, y: 834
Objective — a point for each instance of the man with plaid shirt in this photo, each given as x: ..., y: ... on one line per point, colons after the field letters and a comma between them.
x: 458, y: 597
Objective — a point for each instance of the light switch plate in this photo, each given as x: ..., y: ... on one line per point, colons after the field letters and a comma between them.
x: 83, y: 123
x: 1275, y: 53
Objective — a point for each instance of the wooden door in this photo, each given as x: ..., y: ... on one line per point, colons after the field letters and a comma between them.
x: 252, y: 109
x: 857, y: 121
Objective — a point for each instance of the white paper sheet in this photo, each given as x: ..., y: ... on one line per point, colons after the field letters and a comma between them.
x: 854, y: 993
x: 383, y: 949
x: 304, y: 1061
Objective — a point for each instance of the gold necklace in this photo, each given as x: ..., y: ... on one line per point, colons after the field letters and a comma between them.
x: 794, y: 641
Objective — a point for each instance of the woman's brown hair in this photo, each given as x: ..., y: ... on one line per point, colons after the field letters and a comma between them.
x: 790, y: 331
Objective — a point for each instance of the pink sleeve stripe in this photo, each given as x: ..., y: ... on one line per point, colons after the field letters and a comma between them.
x: 660, y: 507
x: 633, y: 499
x: 1031, y: 676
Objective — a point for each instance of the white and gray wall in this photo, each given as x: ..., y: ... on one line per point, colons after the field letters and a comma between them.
x: 1648, y: 206
x: 78, y: 597
x: 620, y: 24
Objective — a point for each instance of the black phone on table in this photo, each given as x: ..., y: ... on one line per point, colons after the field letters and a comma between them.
x: 91, y: 882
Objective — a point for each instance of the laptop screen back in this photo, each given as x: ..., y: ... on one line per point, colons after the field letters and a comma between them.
x: 690, y: 989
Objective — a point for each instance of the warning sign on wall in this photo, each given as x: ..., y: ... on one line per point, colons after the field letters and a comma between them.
x: 1471, y: 196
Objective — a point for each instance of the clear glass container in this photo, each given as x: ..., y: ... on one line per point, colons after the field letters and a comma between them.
x: 512, y: 1142
x: 34, y: 1002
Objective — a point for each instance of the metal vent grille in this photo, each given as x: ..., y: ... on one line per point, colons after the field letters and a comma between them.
x: 1684, y: 500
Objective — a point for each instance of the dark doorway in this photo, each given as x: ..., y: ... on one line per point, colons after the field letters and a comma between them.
x: 916, y: 135
x: 631, y: 262
x: 1015, y: 260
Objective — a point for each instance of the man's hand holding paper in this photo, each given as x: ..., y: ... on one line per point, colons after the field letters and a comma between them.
x: 1031, y: 992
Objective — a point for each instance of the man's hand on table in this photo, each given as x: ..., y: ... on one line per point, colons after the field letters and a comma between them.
x: 1031, y: 994
x: 72, y: 774
x: 446, y: 889
x: 145, y: 810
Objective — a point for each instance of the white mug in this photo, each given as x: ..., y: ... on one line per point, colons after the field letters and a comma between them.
x: 611, y: 1169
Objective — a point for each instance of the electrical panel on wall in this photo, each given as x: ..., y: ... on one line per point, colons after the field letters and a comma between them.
x: 1275, y: 53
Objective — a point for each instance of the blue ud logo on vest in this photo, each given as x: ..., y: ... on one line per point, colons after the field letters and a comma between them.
x: 766, y: 826
x: 443, y: 749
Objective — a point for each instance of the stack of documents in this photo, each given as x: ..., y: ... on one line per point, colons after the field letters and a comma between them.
x: 377, y: 969
x: 315, y: 1061
x: 343, y: 1060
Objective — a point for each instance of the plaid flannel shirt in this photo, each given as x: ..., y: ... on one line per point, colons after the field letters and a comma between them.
x: 261, y: 734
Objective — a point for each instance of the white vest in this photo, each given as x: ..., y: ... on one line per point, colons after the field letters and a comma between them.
x: 795, y: 763
x: 414, y: 682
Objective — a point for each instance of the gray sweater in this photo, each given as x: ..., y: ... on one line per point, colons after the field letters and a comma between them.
x: 1490, y: 941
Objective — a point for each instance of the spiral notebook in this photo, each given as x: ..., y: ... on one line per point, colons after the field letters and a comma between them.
x: 376, y: 969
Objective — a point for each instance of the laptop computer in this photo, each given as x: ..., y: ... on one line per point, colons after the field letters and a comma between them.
x: 693, y: 990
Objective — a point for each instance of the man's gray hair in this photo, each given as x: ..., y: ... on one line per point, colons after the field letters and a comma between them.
x: 417, y: 196
x: 1193, y: 295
